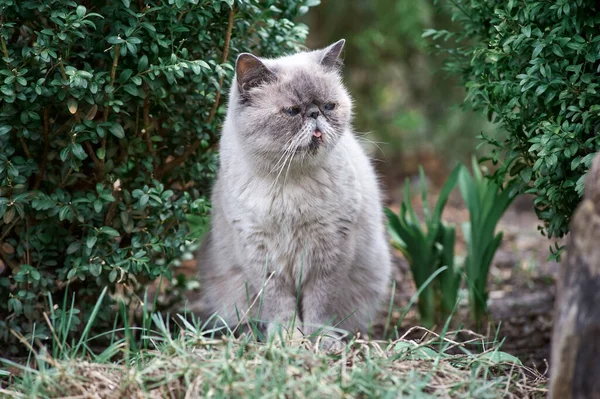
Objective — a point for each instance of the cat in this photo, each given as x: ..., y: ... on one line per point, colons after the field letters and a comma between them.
x: 297, y: 229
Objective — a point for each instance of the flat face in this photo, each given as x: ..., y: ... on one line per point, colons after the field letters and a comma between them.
x: 299, y: 107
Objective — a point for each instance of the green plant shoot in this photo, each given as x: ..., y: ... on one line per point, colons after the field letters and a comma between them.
x: 486, y: 201
x: 427, y: 250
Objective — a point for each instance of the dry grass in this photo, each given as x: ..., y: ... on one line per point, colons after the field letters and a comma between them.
x: 195, y: 365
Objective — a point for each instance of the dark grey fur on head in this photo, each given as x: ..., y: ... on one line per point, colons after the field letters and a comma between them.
x: 282, y: 102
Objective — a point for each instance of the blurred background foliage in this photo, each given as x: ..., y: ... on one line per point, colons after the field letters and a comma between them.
x: 404, y: 102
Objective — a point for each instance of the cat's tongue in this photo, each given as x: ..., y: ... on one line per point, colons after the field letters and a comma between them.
x: 317, y: 133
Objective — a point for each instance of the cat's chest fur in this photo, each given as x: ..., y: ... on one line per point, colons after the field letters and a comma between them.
x: 300, y: 224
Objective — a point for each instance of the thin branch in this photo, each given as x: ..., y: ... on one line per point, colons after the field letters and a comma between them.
x: 64, y: 127
x: 40, y: 175
x: 63, y: 72
x: 92, y: 154
x: 147, y: 129
x: 10, y: 263
x: 4, y: 49
x: 113, y: 73
x: 25, y: 147
x: 213, y: 111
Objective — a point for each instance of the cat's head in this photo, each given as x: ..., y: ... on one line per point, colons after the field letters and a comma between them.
x: 294, y: 106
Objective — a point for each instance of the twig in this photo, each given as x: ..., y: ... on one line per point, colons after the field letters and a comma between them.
x: 64, y: 181
x: 62, y: 69
x: 25, y: 147
x: 213, y: 111
x: 4, y: 50
x: 92, y: 154
x: 113, y: 73
x: 9, y: 229
x: 11, y: 264
x: 64, y: 127
x: 40, y: 175
x: 116, y: 193
x: 147, y: 124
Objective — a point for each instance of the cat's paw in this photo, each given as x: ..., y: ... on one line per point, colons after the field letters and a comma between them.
x: 330, y: 343
x: 275, y: 332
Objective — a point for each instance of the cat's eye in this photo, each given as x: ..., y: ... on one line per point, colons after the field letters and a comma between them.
x: 291, y: 111
x: 329, y: 106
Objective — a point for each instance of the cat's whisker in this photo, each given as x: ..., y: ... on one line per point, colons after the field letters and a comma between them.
x: 292, y: 153
x: 284, y: 153
x: 287, y: 159
x: 369, y: 141
x: 287, y: 146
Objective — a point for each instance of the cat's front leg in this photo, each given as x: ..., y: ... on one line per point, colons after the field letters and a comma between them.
x: 275, y: 305
x: 324, y: 309
x: 280, y: 308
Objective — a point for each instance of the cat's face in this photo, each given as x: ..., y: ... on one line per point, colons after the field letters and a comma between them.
x: 291, y: 108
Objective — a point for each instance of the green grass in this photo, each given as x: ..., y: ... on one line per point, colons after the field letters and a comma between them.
x: 184, y: 358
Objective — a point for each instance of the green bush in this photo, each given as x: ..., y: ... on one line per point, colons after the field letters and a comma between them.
x: 534, y: 67
x: 109, y: 115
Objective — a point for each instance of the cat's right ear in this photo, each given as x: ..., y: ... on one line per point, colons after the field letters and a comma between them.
x: 251, y: 72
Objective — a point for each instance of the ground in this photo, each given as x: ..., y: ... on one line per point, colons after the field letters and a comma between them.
x: 521, y: 281
x: 416, y: 363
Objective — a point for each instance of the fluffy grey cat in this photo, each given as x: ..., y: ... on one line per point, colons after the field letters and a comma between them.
x: 297, y: 229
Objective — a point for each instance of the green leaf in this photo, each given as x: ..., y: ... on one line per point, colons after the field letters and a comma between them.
x: 116, y: 130
x: 91, y: 241
x: 143, y: 63
x: 537, y: 50
x: 541, y: 89
x: 97, y: 206
x: 78, y: 151
x: 109, y: 231
x: 95, y: 269
x: 73, y: 247
x: 498, y: 357
x: 144, y: 200
x: 114, y: 40
x: 131, y: 89
x: 556, y: 49
x: 81, y: 11
x: 71, y: 274
x: 112, y: 276
x: 4, y: 129
x: 125, y: 75
x: 65, y: 213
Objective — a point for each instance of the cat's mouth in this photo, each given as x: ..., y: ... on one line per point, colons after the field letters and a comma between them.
x: 316, y: 140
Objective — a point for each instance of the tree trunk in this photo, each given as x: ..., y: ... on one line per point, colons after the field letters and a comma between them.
x: 575, y: 371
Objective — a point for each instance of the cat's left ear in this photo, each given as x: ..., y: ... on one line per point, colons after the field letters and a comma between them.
x: 330, y: 56
x: 251, y: 72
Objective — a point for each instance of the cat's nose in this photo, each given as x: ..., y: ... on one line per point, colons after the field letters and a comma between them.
x: 313, y: 111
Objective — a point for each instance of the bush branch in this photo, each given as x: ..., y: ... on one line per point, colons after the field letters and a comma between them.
x: 113, y: 72
x: 42, y: 171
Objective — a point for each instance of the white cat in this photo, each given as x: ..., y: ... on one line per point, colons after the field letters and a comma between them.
x: 297, y: 215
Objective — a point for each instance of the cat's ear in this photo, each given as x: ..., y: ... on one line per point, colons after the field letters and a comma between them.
x: 330, y: 56
x: 251, y: 72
